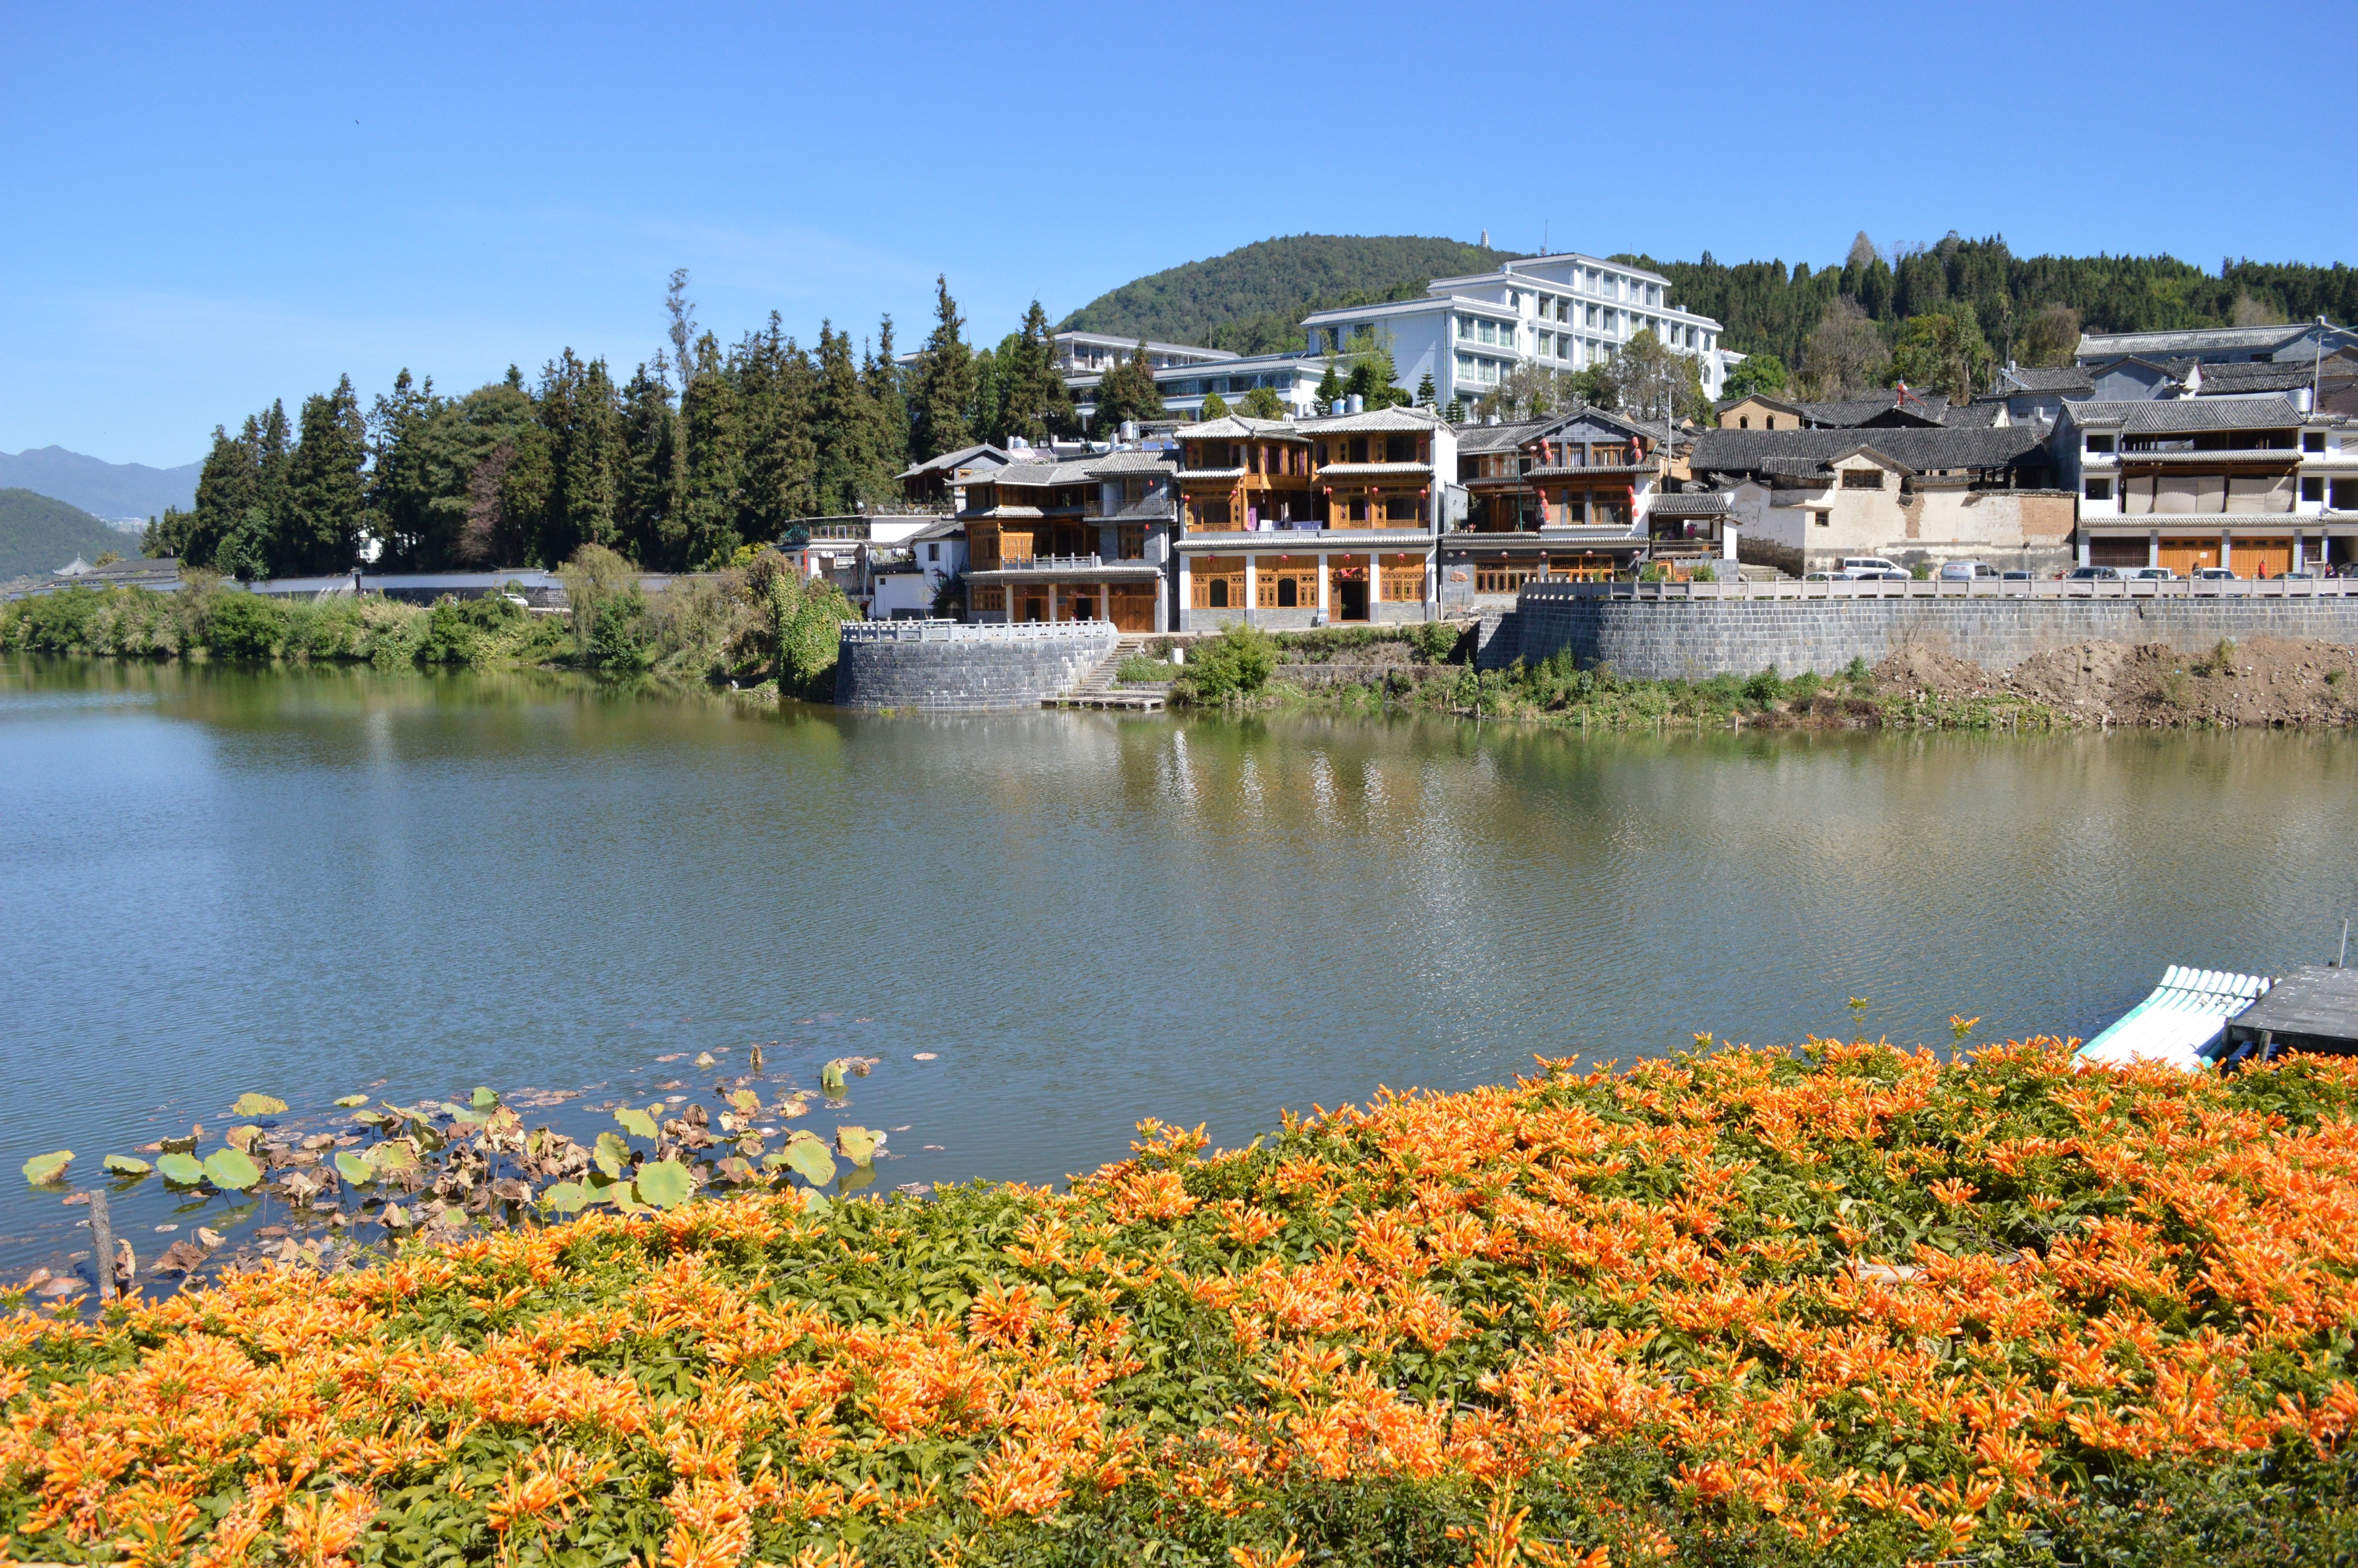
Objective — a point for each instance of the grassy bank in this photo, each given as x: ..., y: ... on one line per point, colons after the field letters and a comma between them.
x: 761, y: 622
x: 1844, y: 1305
x: 1430, y: 669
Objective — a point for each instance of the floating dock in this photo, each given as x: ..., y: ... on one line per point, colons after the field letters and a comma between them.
x: 2183, y: 1023
x: 2315, y: 1007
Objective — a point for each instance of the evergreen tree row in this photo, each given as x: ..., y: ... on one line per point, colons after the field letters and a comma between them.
x: 2015, y: 303
x: 700, y: 452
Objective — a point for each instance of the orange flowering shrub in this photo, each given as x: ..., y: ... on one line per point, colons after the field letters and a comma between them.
x: 1845, y: 1303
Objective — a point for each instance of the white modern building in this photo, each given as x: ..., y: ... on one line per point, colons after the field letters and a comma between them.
x: 1294, y: 377
x: 1094, y: 353
x: 1565, y: 312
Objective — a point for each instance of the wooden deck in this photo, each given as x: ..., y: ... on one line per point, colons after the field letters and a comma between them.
x: 2315, y: 1007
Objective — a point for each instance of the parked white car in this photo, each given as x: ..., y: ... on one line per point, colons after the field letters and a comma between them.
x: 1872, y: 568
x: 1966, y: 572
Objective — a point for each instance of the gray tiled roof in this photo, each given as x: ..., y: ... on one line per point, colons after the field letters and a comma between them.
x: 1374, y: 421
x: 2161, y: 415
x: 2045, y: 378
x: 1474, y: 439
x: 2267, y: 375
x: 1808, y: 451
x: 2193, y: 340
x: 1237, y: 428
x: 1702, y: 503
x: 949, y: 461
x: 1855, y: 411
x: 1114, y: 464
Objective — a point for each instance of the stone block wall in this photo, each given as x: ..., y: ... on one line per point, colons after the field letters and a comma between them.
x: 1667, y: 640
x: 968, y: 668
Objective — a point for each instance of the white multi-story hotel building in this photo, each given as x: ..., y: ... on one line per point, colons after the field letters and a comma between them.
x: 1565, y: 312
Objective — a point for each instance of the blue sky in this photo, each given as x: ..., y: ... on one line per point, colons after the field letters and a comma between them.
x: 207, y: 207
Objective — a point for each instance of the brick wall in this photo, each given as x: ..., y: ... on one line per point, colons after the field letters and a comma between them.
x: 1662, y: 641
x: 969, y: 672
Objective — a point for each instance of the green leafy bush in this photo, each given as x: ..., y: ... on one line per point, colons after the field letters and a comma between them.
x: 244, y: 626
x: 1237, y: 662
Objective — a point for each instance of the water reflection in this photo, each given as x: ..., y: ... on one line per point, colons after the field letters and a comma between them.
x: 306, y: 881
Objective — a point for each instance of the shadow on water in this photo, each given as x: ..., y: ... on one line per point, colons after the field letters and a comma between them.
x: 303, y: 882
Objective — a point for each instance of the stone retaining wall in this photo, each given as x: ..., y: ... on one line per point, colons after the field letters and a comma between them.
x: 1669, y: 639
x: 966, y: 669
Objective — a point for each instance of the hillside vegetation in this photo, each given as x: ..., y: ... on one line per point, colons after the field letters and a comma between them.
x: 2029, y: 309
x: 1252, y: 300
x: 39, y: 534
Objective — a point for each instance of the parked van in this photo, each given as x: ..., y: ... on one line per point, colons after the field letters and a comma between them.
x: 1871, y: 568
x: 1966, y: 572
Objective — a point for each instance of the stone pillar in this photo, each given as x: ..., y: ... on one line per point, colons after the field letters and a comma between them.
x: 1323, y: 561
x: 2227, y: 549
x: 2083, y: 550
x: 1375, y: 584
x: 1105, y: 603
x: 1252, y: 588
x: 1186, y: 596
x: 2299, y: 550
x: 2153, y: 547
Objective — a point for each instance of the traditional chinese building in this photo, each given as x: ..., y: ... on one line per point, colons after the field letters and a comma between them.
x: 1302, y: 522
x: 1565, y: 496
x: 1083, y: 540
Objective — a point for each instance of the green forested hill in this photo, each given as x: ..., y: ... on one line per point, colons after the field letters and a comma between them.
x: 1252, y: 300
x: 40, y: 535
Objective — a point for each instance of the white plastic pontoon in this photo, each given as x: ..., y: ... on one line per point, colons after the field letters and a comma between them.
x: 2180, y: 1023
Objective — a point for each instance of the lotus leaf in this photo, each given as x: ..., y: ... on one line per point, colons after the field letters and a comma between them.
x: 181, y: 1167
x: 355, y: 1168
x: 638, y: 1123
x: 809, y: 1159
x: 704, y: 1059
x: 565, y: 1197
x: 178, y: 1145
x: 830, y: 1077
x: 484, y: 1098
x: 395, y: 1154
x: 257, y: 1104
x: 43, y: 1168
x: 243, y: 1137
x: 815, y: 1201
x: 746, y: 1101
x: 348, y: 1101
x: 611, y: 1154
x: 790, y: 1109
x: 395, y: 1217
x: 125, y: 1165
x: 467, y: 1114
x: 603, y: 1188
x: 231, y: 1170
x: 858, y: 1143
x: 665, y: 1183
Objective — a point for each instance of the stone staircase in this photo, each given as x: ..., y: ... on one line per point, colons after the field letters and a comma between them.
x: 1097, y: 688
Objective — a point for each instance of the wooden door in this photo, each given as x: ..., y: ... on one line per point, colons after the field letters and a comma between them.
x: 2182, y: 556
x: 1133, y: 607
x: 2262, y: 558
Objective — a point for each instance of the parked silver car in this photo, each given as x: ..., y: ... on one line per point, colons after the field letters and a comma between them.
x: 1966, y: 572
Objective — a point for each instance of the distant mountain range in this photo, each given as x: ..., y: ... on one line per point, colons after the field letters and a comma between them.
x: 115, y: 492
x: 39, y: 534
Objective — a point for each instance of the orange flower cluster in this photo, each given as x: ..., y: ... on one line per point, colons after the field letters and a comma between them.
x: 1839, y: 1292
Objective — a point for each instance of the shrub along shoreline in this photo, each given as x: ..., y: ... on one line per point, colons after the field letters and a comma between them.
x: 1429, y: 669
x: 1844, y: 1305
x: 759, y: 623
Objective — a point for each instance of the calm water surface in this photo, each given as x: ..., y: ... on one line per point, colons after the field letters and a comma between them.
x: 306, y: 884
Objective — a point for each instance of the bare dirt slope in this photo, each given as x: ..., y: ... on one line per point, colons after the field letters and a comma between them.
x: 2266, y: 681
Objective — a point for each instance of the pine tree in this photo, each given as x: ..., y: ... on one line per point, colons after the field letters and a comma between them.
x: 779, y: 389
x: 1425, y: 394
x: 317, y: 527
x: 713, y: 437
x: 228, y: 486
x: 1128, y: 392
x: 1036, y: 402
x: 987, y: 416
x: 650, y: 471
x: 843, y: 428
x: 403, y: 484
x: 882, y: 377
x: 942, y: 391
x: 1329, y: 394
x: 1215, y: 408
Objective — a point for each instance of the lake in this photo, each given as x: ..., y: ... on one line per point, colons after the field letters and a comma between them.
x: 315, y: 882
